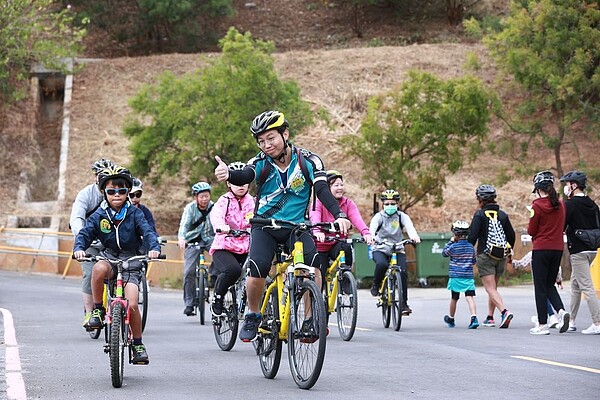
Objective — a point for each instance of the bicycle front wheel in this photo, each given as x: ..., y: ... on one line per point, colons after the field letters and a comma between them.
x: 347, y: 306
x: 268, y: 345
x: 117, y: 341
x: 200, y: 293
x: 225, y: 326
x: 143, y: 299
x: 385, y: 307
x: 395, y: 283
x: 307, y: 334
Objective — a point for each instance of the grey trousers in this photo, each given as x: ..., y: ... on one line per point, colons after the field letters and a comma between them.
x: 581, y: 282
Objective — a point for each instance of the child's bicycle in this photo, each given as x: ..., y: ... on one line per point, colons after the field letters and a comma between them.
x: 142, y: 301
x: 340, y: 291
x: 226, y: 326
x: 390, y: 291
x: 116, y: 326
x: 292, y: 311
x: 202, y: 289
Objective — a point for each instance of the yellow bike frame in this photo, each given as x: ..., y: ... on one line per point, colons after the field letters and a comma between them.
x: 280, y: 284
x: 393, y: 264
x: 331, y: 281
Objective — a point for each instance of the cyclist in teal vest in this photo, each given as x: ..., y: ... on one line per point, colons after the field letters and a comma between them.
x: 284, y: 194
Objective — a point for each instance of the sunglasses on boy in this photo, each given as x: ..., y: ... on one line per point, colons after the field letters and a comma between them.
x: 112, y: 192
x: 136, y: 194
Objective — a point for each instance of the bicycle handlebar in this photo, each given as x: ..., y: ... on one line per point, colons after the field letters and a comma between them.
x: 344, y: 240
x: 233, y: 232
x: 281, y: 223
x: 397, y: 244
x: 95, y: 258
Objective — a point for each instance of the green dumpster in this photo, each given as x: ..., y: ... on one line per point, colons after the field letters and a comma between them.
x: 430, y: 262
x: 363, y: 267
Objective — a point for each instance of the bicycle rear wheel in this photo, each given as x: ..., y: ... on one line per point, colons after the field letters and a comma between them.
x: 117, y: 341
x: 268, y: 345
x: 225, y: 327
x: 347, y: 306
x: 395, y: 283
x: 200, y: 293
x: 143, y: 298
x: 307, y: 334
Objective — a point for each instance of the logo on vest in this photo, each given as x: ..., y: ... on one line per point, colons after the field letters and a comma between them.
x: 105, y: 226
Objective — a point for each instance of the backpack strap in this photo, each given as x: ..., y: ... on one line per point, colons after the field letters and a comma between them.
x: 202, y: 219
x: 266, y: 171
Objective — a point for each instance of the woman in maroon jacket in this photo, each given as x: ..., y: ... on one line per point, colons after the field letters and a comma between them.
x: 546, y: 229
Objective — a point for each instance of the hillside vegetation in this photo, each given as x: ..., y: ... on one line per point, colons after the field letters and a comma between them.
x: 336, y: 82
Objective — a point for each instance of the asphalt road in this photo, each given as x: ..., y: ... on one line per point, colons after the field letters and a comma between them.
x: 425, y: 360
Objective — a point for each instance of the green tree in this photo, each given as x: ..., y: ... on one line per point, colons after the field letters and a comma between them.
x: 33, y: 31
x: 551, y: 48
x: 157, y: 25
x: 415, y: 136
x: 181, y: 123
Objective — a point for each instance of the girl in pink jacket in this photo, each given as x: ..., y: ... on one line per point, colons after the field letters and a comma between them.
x: 232, y: 211
x: 330, y: 250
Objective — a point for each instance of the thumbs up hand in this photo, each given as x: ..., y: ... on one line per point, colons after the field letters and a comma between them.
x: 221, y: 171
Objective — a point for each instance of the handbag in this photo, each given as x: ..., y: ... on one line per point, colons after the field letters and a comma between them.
x: 590, y: 237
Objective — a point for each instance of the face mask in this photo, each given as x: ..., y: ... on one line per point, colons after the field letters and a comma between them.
x: 567, y: 190
x: 390, y: 210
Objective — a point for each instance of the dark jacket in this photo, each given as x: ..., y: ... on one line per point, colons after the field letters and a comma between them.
x: 581, y: 214
x: 124, y: 237
x: 479, y: 227
x: 546, y: 225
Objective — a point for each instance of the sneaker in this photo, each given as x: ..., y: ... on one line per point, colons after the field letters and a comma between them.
x: 506, y: 318
x: 449, y: 321
x: 250, y: 327
x: 474, y: 322
x: 86, y: 320
x: 97, y: 318
x: 189, y: 311
x: 572, y: 327
x: 489, y: 322
x: 374, y: 290
x: 553, y: 321
x: 139, y: 355
x: 406, y: 309
x: 592, y: 330
x: 217, y: 305
x: 308, y: 334
x: 563, y: 321
x: 539, y: 330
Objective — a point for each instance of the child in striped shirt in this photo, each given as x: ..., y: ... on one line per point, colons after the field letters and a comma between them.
x: 460, y: 271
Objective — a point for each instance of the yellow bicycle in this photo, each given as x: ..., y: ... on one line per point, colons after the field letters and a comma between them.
x: 390, y: 291
x: 340, y: 291
x: 292, y: 311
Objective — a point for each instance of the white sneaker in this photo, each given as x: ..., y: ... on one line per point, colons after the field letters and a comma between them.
x: 572, y: 326
x: 592, y: 330
x: 552, y: 321
x: 539, y: 330
x: 563, y: 321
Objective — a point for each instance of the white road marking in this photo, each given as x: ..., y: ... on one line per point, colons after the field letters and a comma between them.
x: 15, y: 386
x: 558, y: 364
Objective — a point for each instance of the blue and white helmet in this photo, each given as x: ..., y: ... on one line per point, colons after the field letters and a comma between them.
x: 200, y: 187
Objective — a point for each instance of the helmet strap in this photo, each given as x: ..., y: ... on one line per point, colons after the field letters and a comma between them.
x: 281, y: 157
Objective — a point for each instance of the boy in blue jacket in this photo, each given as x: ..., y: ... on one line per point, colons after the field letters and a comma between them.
x: 120, y: 227
x: 460, y: 271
